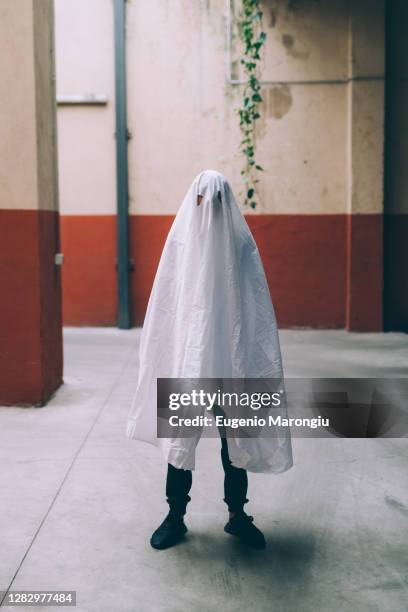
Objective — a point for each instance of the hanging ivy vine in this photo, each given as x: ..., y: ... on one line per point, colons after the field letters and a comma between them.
x: 252, y: 38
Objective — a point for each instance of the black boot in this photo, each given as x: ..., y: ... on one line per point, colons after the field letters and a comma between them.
x: 169, y: 533
x: 172, y: 529
x: 241, y: 525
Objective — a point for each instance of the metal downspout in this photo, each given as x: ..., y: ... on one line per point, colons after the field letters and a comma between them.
x: 122, y: 181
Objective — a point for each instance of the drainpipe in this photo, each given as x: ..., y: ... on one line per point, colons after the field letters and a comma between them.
x: 122, y: 182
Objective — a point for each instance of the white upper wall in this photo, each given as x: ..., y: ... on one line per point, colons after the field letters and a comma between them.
x: 86, y: 134
x: 182, y: 112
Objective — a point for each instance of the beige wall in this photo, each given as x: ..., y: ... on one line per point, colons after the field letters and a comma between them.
x: 366, y: 107
x: 86, y: 134
x: 181, y: 109
x: 320, y: 143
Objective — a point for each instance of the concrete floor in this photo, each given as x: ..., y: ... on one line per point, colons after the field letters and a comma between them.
x: 79, y: 500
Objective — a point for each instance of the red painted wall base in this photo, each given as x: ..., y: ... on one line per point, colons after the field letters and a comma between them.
x: 312, y: 279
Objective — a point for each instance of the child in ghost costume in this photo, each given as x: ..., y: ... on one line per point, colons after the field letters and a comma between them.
x: 210, y: 315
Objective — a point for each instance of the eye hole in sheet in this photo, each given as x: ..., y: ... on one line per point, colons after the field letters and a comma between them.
x: 200, y: 198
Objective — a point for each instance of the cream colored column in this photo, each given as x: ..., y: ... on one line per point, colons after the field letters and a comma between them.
x: 30, y: 309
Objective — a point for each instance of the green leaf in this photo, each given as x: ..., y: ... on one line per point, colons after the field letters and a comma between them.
x: 252, y: 39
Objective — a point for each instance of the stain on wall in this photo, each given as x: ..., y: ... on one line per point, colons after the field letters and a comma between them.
x: 277, y: 101
x: 293, y: 48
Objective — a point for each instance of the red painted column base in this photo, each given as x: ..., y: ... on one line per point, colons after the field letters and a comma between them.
x: 31, y: 356
x: 324, y: 271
